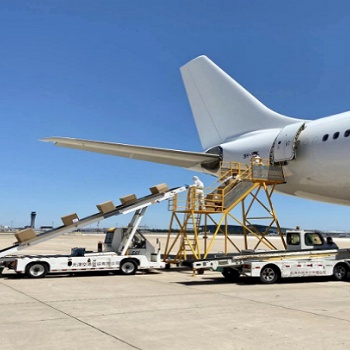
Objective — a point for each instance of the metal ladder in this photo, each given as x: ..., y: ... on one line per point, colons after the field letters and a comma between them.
x: 190, y: 245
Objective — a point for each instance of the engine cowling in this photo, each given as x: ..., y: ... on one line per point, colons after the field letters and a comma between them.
x: 277, y: 145
x: 241, y: 149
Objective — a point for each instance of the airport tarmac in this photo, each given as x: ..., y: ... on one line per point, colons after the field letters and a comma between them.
x: 168, y: 310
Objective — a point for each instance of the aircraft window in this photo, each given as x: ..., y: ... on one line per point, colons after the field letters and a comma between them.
x: 336, y: 135
x: 347, y: 133
x: 325, y: 137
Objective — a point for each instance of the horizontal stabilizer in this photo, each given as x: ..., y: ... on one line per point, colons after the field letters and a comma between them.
x: 190, y: 160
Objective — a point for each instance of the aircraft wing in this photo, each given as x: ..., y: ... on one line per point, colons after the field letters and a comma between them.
x: 204, y: 162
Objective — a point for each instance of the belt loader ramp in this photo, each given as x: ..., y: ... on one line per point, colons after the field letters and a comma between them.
x: 250, y: 186
x: 126, y: 250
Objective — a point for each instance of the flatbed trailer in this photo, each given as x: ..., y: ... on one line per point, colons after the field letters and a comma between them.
x: 125, y: 249
x: 308, y: 254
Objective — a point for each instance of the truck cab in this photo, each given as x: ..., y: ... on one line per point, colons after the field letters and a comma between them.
x: 308, y: 240
x: 118, y: 240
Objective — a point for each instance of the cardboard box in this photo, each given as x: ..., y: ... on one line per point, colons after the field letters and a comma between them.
x: 70, y: 219
x: 105, y: 207
x: 213, y: 197
x: 159, y: 188
x: 25, y: 235
x: 210, y: 208
x: 129, y: 199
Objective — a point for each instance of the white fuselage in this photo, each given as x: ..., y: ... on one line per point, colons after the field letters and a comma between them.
x: 321, y: 169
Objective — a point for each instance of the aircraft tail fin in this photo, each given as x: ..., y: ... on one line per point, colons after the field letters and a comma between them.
x: 221, y: 107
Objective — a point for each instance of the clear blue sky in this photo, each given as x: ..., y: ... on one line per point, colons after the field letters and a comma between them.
x: 109, y: 70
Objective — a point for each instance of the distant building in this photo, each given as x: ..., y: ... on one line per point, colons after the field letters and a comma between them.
x: 46, y: 228
x: 237, y: 229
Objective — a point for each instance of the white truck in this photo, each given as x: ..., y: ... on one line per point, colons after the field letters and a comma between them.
x: 121, y: 251
x: 125, y: 249
x: 307, y: 254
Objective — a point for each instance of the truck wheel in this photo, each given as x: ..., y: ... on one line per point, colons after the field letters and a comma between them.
x: 340, y: 272
x: 231, y: 275
x: 269, y: 274
x: 128, y: 267
x: 36, y: 270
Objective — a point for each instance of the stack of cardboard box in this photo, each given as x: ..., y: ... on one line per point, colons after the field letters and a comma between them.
x: 213, y: 202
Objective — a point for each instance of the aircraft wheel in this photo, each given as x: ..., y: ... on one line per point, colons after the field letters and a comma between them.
x: 340, y: 272
x: 128, y: 267
x: 269, y: 274
x: 36, y: 270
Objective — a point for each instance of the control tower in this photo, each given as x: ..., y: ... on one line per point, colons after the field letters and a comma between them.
x: 32, y: 219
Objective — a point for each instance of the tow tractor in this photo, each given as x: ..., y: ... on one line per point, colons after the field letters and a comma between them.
x: 124, y: 249
x: 307, y: 254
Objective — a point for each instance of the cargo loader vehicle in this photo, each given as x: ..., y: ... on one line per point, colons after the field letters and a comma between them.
x: 125, y: 249
x: 308, y: 254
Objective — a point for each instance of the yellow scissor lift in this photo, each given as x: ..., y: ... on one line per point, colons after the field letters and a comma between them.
x: 251, y: 186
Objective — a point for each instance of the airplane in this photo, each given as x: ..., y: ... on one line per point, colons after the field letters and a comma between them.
x: 232, y: 124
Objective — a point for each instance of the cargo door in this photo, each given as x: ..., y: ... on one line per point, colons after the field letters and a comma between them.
x: 284, y: 147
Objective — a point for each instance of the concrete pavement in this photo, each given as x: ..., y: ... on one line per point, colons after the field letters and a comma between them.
x: 170, y: 310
